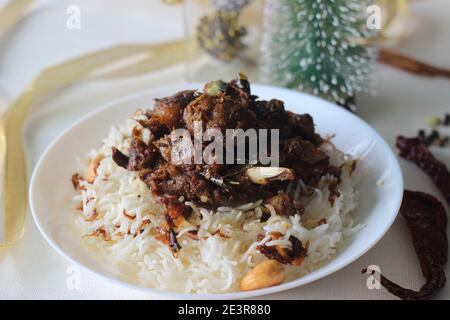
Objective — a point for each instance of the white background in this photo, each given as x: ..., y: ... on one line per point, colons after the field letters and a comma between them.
x: 34, y: 270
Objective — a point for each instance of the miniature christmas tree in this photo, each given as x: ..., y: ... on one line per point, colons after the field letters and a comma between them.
x: 318, y: 47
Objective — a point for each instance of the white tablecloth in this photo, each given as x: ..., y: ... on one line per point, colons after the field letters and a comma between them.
x: 34, y: 270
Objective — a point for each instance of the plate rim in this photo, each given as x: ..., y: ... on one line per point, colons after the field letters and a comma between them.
x: 215, y: 296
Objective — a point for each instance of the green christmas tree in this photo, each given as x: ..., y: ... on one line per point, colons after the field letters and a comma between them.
x: 319, y: 47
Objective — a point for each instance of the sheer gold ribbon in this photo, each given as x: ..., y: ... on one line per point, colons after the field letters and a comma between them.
x: 13, y: 12
x: 146, y: 58
x: 393, y: 29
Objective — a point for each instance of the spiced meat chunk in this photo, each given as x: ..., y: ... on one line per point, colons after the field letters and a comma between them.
x: 225, y: 106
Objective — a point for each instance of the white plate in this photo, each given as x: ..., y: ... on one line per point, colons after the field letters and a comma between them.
x: 380, y: 187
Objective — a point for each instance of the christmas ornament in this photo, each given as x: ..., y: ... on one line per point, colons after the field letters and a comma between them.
x: 220, y: 34
x: 319, y: 47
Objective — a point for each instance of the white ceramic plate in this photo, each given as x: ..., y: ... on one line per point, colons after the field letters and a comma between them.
x: 380, y: 187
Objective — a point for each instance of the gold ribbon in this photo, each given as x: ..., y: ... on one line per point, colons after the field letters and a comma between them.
x: 393, y: 28
x: 12, y: 13
x: 13, y: 171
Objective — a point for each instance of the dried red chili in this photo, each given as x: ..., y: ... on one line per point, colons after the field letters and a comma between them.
x: 427, y: 221
x: 413, y: 149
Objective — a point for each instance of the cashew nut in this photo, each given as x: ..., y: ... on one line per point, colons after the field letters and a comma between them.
x: 264, y: 175
x: 266, y: 274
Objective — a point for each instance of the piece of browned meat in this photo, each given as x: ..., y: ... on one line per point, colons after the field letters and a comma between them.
x: 223, y: 106
x: 167, y: 113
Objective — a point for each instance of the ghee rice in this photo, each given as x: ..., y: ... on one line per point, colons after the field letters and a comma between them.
x: 119, y: 216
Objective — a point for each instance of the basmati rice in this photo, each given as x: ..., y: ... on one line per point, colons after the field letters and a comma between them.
x: 121, y: 206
